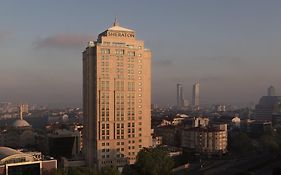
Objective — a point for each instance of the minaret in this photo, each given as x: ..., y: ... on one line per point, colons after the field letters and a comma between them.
x: 21, y: 111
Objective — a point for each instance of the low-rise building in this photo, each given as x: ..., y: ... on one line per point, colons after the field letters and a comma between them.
x: 156, y: 141
x: 14, y: 162
x: 170, y: 134
x: 64, y: 143
x: 255, y: 128
x: 209, y: 140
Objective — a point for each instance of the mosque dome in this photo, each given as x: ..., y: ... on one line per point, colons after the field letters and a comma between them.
x: 20, y: 123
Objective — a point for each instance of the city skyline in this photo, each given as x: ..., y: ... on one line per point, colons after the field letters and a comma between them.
x: 223, y: 45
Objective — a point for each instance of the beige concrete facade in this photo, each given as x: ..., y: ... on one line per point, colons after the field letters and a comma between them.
x: 116, y: 98
x: 209, y: 140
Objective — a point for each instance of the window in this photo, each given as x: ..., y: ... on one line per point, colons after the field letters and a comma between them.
x: 105, y: 51
x: 131, y: 86
x: 118, y: 44
x: 131, y: 53
x: 119, y: 51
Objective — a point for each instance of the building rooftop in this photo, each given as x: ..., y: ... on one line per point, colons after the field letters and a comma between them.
x: 119, y: 28
x: 116, y: 27
x: 6, y: 152
x: 270, y: 100
x: 204, y: 129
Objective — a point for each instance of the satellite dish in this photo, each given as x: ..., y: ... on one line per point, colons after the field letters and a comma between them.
x: 91, y: 44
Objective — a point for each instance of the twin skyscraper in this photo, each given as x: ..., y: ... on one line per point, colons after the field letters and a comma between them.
x: 182, y: 102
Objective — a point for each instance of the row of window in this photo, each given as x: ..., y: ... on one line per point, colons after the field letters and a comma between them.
x: 121, y: 44
x: 119, y: 52
x: 120, y: 64
x: 119, y: 86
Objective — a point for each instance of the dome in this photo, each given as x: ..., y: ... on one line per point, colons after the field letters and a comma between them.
x: 11, y: 155
x: 20, y: 123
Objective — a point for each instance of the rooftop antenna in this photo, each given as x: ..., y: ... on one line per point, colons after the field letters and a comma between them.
x: 116, y: 23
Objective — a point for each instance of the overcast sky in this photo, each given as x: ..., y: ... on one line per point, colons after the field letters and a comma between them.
x: 233, y: 48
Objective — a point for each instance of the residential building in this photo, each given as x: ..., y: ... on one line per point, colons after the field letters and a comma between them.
x: 207, y: 140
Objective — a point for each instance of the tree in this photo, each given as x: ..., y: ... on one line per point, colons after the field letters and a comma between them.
x: 109, y: 170
x: 241, y: 143
x: 269, y: 144
x: 76, y: 171
x: 154, y: 161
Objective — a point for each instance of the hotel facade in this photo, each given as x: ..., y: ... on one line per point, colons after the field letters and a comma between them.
x: 116, y: 98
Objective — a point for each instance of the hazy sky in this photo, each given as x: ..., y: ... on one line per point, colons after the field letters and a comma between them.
x: 233, y: 47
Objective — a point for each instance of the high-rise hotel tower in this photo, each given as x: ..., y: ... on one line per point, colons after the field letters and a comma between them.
x: 116, y: 98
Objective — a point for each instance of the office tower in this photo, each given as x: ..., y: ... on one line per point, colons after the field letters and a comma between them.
x: 271, y: 91
x: 116, y: 98
x: 196, y: 95
x: 268, y: 105
x: 180, y: 98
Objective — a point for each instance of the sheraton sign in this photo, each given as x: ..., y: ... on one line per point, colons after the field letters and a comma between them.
x: 120, y: 34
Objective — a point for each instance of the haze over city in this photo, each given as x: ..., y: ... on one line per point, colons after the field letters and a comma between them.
x: 231, y: 47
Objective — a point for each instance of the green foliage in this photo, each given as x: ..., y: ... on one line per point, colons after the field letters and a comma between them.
x: 154, y: 161
x: 86, y: 171
x: 128, y: 170
x: 241, y: 143
x: 108, y: 170
x: 81, y: 171
x: 269, y: 144
x: 59, y: 171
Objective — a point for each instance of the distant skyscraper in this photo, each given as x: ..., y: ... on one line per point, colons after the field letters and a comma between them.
x: 268, y: 105
x: 196, y: 95
x: 180, y: 98
x: 271, y: 91
x: 116, y: 98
